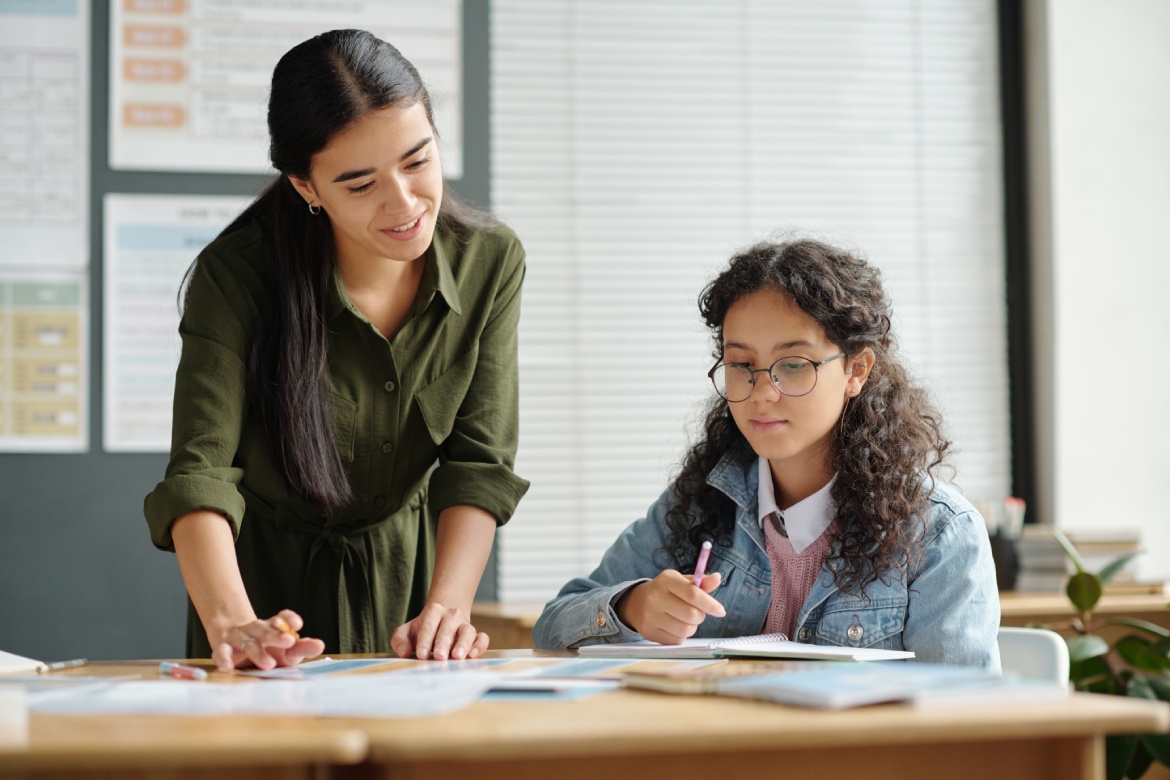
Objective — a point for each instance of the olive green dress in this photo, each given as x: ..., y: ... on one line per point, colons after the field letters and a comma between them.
x: 424, y: 421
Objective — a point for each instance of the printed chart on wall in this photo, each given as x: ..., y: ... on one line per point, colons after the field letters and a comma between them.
x: 44, y: 227
x: 150, y: 241
x: 189, y: 78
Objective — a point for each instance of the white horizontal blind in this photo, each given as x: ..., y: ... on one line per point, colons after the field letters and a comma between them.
x: 637, y: 143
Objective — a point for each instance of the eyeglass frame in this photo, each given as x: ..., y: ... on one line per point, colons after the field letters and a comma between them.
x: 753, y: 371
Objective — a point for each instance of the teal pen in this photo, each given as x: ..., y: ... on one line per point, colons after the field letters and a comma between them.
x: 181, y: 671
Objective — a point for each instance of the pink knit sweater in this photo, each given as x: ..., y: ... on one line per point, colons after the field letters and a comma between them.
x: 793, y: 576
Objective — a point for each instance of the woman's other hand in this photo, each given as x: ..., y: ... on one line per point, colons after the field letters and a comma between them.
x: 439, y: 633
x: 264, y: 644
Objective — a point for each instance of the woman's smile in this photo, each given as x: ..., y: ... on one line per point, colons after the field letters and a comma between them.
x: 407, y: 231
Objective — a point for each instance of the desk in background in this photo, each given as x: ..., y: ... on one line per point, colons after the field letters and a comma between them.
x: 1021, y: 609
x: 621, y: 734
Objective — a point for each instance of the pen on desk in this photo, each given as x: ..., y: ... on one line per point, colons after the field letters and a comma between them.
x: 57, y: 665
x: 701, y: 566
x: 184, y: 672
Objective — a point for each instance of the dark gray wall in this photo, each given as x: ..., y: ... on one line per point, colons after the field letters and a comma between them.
x: 78, y: 574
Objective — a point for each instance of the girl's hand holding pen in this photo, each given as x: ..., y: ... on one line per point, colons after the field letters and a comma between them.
x: 265, y: 644
x: 669, y: 608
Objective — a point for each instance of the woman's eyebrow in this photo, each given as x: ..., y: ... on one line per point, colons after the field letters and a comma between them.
x: 367, y: 171
x: 353, y: 175
x: 775, y: 348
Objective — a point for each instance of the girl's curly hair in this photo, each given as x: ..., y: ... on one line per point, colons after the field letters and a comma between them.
x: 890, y: 438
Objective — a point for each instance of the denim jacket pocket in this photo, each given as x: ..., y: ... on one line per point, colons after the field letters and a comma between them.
x: 440, y: 400
x: 877, y: 623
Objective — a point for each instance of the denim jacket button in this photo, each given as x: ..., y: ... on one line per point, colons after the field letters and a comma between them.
x: 601, y: 620
x: 855, y: 632
x: 804, y: 634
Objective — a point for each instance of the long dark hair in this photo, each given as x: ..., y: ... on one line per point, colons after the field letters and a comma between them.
x: 319, y: 87
x: 890, y: 437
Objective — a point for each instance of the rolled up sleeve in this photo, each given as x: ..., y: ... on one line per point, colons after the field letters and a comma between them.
x: 207, y: 411
x: 476, y: 460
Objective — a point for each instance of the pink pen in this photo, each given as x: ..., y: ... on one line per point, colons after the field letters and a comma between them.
x: 701, y: 566
x: 184, y: 672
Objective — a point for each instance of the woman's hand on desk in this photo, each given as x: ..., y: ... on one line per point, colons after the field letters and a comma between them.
x: 440, y: 633
x: 669, y: 608
x: 265, y: 644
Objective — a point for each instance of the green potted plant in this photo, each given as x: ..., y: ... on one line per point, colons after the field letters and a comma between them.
x: 1136, y: 664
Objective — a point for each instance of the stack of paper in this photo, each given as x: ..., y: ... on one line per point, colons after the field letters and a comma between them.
x: 13, y: 717
x: 18, y: 664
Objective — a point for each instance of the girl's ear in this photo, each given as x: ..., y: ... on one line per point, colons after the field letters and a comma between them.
x: 304, y: 188
x: 859, y: 367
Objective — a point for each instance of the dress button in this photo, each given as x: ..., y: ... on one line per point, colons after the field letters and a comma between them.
x: 380, y: 501
x: 855, y: 632
x: 387, y: 447
x: 601, y: 620
x: 804, y: 634
x: 389, y: 387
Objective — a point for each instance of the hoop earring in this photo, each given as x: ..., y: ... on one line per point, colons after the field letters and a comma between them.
x: 314, y: 210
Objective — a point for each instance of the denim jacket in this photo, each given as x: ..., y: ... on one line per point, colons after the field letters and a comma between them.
x: 946, y: 610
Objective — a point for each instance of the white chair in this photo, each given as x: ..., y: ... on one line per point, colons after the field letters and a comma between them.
x: 1035, y: 653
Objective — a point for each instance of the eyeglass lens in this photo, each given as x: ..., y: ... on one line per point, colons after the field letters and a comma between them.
x: 792, y: 375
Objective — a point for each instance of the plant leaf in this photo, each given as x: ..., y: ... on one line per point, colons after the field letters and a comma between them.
x: 1139, y: 688
x: 1140, y: 625
x: 1159, y: 653
x: 1119, y: 751
x: 1110, y: 569
x: 1082, y: 648
x: 1135, y: 650
x: 1069, y: 548
x: 1140, y: 763
x: 1084, y: 591
x: 1160, y: 686
x: 1158, y: 745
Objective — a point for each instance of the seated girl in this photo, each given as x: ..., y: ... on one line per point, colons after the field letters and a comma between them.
x: 816, y: 479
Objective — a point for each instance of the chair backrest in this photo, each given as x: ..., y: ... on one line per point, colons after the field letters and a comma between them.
x: 1033, y: 652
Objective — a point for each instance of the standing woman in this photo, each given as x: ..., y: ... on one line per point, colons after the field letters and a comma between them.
x: 345, y: 415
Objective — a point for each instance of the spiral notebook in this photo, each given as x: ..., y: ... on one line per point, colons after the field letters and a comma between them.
x: 761, y: 646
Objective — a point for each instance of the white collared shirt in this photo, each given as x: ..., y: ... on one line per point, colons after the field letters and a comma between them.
x: 805, y: 520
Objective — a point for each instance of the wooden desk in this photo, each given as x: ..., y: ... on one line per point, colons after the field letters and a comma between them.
x: 637, y: 734
x: 623, y: 734
x: 178, y: 748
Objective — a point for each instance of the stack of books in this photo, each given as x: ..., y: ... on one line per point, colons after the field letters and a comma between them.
x: 1044, y: 566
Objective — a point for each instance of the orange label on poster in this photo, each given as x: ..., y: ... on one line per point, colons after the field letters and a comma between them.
x: 153, y: 70
x: 155, y: 6
x: 153, y: 115
x: 145, y: 35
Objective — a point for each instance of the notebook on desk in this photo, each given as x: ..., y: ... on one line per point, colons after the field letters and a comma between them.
x: 840, y: 686
x: 762, y: 646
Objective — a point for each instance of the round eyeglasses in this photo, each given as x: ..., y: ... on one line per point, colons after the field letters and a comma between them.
x: 791, y: 376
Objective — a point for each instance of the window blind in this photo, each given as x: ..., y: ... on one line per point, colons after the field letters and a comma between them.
x: 636, y: 144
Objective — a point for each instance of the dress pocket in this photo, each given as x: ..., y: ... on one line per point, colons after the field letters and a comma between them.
x: 344, y: 424
x: 440, y: 400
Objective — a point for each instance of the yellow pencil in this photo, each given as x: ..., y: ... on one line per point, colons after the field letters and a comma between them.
x: 283, y: 626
